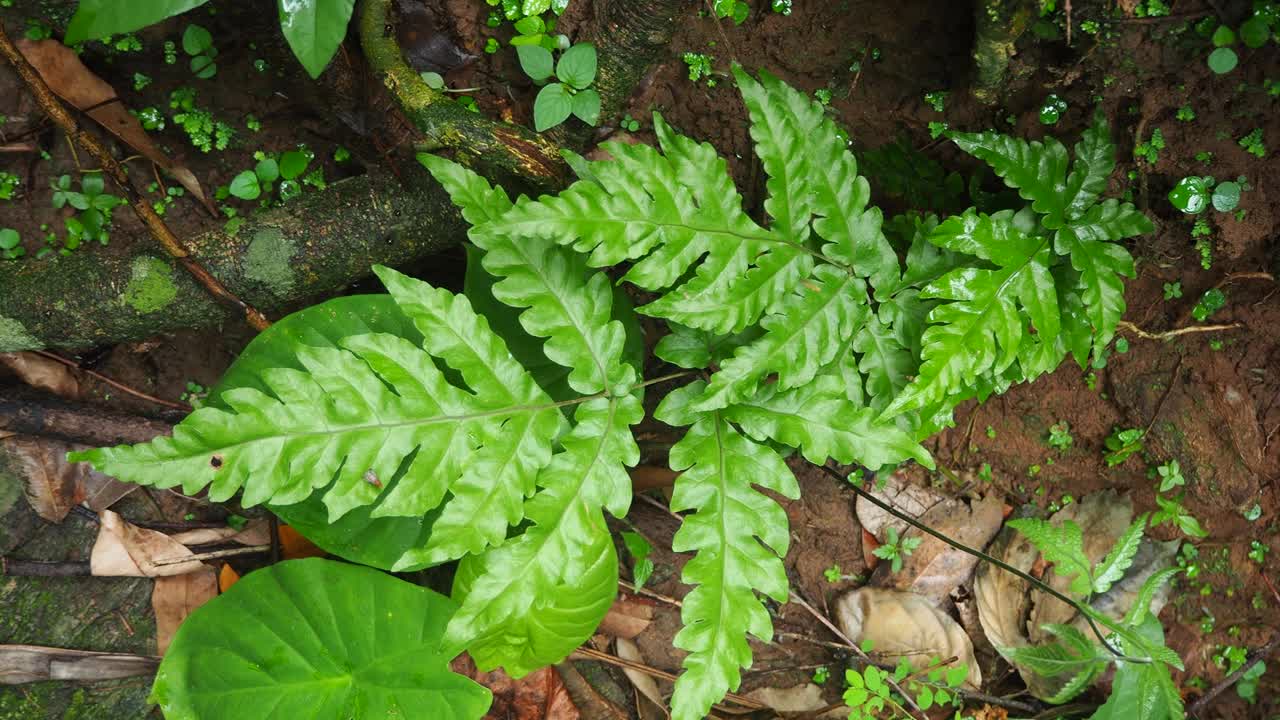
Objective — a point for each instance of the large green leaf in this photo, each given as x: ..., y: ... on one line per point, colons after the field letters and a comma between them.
x: 374, y: 421
x: 738, y: 533
x: 316, y: 639
x: 980, y: 330
x: 314, y: 29
x: 1037, y: 170
x: 1102, y: 265
x: 1143, y: 691
x: 96, y: 19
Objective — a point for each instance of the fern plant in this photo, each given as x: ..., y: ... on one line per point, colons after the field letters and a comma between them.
x: 413, y: 430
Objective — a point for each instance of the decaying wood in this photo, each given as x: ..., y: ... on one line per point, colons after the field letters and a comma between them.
x: 20, y: 664
x: 27, y: 412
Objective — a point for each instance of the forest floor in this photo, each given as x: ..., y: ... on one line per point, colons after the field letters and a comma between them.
x: 1211, y: 400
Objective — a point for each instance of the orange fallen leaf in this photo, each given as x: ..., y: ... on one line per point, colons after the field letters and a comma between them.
x: 869, y: 545
x: 227, y: 577
x: 295, y: 547
x: 124, y: 549
x: 70, y: 80
x: 176, y: 597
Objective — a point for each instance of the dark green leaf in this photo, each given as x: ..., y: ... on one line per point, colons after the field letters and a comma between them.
x: 315, y: 29
x: 1223, y: 60
x: 293, y: 163
x: 245, y: 186
x: 577, y: 66
x: 96, y: 19
x: 536, y: 61
x: 552, y: 107
x: 586, y: 106
x: 196, y: 39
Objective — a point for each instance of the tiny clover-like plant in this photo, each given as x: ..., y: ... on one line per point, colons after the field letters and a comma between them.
x: 313, y: 28
x: 572, y: 95
x: 94, y: 203
x: 896, y: 549
x: 1257, y: 30
x: 1121, y: 444
x: 869, y: 694
x: 1143, y: 686
x: 11, y: 244
x: 1193, y: 194
x: 494, y: 427
x: 1211, y: 302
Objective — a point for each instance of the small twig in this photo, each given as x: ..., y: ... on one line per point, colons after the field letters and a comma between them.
x: 1042, y: 586
x: 587, y: 653
x: 650, y: 594
x: 113, y: 383
x: 795, y: 598
x: 1256, y: 657
x: 216, y: 554
x: 111, y: 167
x: 1170, y: 334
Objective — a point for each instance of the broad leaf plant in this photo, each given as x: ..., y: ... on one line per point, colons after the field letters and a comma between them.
x: 495, y: 427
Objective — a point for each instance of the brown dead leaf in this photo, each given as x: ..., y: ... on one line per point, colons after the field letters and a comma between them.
x: 256, y: 532
x: 901, y: 494
x: 176, y: 597
x: 627, y: 618
x: 935, y: 568
x: 40, y: 372
x: 68, y: 78
x: 295, y: 547
x: 124, y: 549
x: 540, y: 695
x: 227, y: 577
x: 644, y: 683
x: 52, y: 485
x: 903, y: 624
x: 799, y: 699
x: 869, y: 545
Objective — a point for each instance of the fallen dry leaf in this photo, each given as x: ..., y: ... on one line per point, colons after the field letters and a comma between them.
x: 644, y: 683
x: 68, y: 78
x: 52, y: 485
x: 627, y: 618
x: 901, y: 494
x: 295, y: 547
x: 256, y: 532
x: 176, y: 597
x: 799, y: 699
x: 227, y: 577
x: 869, y: 545
x: 39, y: 371
x: 21, y: 664
x: 903, y: 624
x: 124, y: 549
x: 935, y: 568
x: 540, y: 695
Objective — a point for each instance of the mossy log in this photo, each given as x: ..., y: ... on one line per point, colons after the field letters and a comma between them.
x: 998, y: 25
x: 317, y: 244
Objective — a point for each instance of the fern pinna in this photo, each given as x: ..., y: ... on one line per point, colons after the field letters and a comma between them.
x: 413, y: 430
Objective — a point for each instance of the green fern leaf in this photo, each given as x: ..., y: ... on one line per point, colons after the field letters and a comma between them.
x: 1095, y: 160
x: 1142, y: 604
x: 520, y: 576
x: 883, y: 360
x: 981, y: 329
x: 810, y: 327
x: 1037, y: 170
x: 1112, y: 567
x: 820, y: 421
x: 1062, y: 545
x: 781, y: 124
x: 1050, y: 660
x: 1102, y: 266
x: 340, y: 420
x: 738, y: 534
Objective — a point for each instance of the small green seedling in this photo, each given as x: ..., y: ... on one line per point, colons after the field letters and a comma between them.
x: 1121, y: 444
x: 572, y: 95
x: 250, y: 184
x: 11, y: 244
x: 1211, y: 302
x: 736, y: 9
x: 140, y: 81
x: 1171, y: 511
x: 1170, y: 475
x: 93, y: 202
x: 642, y: 566
x: 1060, y: 436
x: 198, y: 43
x: 822, y: 675
x: 936, y: 100
x: 8, y: 185
x: 1252, y: 143
x: 1052, y: 109
x: 832, y: 574
x: 699, y: 65
x: 896, y: 549
x: 533, y: 31
x: 1150, y: 150
x: 629, y: 123
x: 1186, y: 114
x: 1258, y: 552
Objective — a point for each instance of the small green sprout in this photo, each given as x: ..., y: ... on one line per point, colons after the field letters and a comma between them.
x: 822, y: 95
x: 1121, y: 444
x: 699, y: 65
x: 1186, y: 114
x: 629, y: 123
x: 896, y: 549
x: 1170, y: 476
x: 1252, y: 143
x: 198, y: 43
x: 8, y: 185
x: 1258, y: 552
x: 822, y: 675
x: 937, y: 129
x: 1150, y: 149
x: 832, y: 574
x: 936, y: 100
x: 991, y: 432
x: 639, y: 548
x: 492, y: 46
x: 1051, y: 110
x: 11, y: 244
x: 140, y: 81
x: 1212, y: 301
x: 1060, y: 436
x: 1171, y: 511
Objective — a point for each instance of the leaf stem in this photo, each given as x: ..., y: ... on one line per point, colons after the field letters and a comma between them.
x: 1083, y: 610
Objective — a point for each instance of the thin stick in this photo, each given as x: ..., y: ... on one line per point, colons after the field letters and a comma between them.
x: 216, y: 554
x: 1170, y: 334
x: 650, y: 594
x: 604, y: 657
x: 795, y: 598
x: 113, y: 383
x: 1256, y: 657
x: 982, y: 556
x: 111, y: 167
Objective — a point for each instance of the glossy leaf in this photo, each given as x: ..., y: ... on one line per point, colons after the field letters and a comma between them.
x: 551, y: 107
x: 1037, y: 170
x: 738, y: 534
x: 284, y: 641
x: 96, y: 19
x: 314, y: 29
x: 577, y: 66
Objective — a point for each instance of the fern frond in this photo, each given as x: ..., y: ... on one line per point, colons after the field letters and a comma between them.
x: 519, y: 577
x: 883, y: 360
x: 738, y: 534
x: 1062, y: 545
x: 1112, y: 567
x: 1037, y: 170
x: 980, y: 331
x: 810, y: 327
x: 822, y: 423
x: 374, y: 417
x: 1095, y: 160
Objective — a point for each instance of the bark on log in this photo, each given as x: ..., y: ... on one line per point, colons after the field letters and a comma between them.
x: 26, y: 412
x: 316, y: 244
